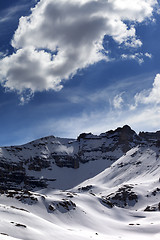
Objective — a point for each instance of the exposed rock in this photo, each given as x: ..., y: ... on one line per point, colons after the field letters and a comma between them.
x: 123, y: 197
x: 86, y: 188
x: 150, y: 136
x: 21, y: 195
x: 19, y: 225
x: 152, y: 208
x: 65, y: 205
x: 51, y: 208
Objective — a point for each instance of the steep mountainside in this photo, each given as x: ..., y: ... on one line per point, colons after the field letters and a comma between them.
x: 37, y: 163
x: 96, y: 187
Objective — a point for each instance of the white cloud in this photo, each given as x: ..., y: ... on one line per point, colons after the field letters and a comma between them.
x: 150, y: 96
x: 146, y: 119
x: 139, y: 57
x: 62, y: 36
x: 149, y: 55
x: 144, y: 114
x: 118, y: 101
x: 29, y: 69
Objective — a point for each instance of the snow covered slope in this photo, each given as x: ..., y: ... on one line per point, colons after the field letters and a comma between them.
x: 133, y: 181
x: 39, y: 163
x: 101, y: 198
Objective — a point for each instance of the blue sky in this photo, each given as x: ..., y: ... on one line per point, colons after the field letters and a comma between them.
x: 68, y: 67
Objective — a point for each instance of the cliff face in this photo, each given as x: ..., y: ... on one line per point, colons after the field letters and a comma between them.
x: 109, y: 146
x: 28, y: 166
x: 150, y: 136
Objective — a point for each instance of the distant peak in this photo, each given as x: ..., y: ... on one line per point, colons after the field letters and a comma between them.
x: 125, y: 128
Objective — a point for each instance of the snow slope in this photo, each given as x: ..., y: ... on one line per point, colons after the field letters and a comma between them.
x: 120, y: 202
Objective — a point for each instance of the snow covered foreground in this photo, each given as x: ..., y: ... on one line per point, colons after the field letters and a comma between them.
x: 121, y: 202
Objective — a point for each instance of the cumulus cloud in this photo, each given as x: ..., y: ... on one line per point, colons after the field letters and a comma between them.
x: 150, y: 96
x: 29, y: 69
x: 62, y: 36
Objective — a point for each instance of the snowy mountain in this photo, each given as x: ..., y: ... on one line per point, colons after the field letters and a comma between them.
x: 39, y: 163
x: 93, y: 187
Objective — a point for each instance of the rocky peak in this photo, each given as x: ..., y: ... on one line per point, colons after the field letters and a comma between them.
x: 124, y: 137
x: 126, y: 134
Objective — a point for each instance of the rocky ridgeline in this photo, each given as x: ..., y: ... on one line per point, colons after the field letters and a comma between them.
x: 18, y: 163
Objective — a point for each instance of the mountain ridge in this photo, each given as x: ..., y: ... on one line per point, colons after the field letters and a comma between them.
x: 114, y: 192
x: 29, y: 165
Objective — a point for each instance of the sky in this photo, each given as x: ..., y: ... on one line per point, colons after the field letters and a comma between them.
x: 73, y: 66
